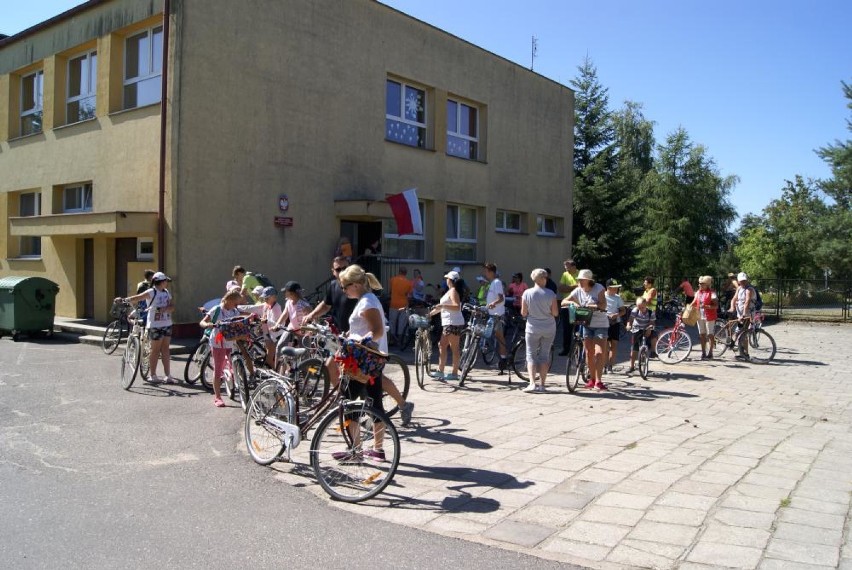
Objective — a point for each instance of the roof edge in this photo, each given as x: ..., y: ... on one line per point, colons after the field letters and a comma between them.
x: 66, y: 15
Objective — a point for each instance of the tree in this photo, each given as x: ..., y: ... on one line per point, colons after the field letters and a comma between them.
x: 686, y: 210
x: 839, y: 158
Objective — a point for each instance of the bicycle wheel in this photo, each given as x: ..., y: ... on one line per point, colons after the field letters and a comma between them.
x: 761, y: 346
x: 355, y: 453
x: 396, y: 370
x: 241, y: 378
x: 263, y: 437
x: 488, y: 349
x: 406, y: 337
x: 130, y: 362
x: 722, y: 334
x: 673, y: 346
x: 642, y: 361
x: 576, y: 368
x: 469, y: 351
x: 112, y: 336
x: 518, y: 360
x: 145, y: 359
x: 312, y: 384
x: 194, y: 369
x: 422, y: 354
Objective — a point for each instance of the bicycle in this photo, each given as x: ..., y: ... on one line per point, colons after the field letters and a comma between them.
x: 576, y: 368
x: 354, y: 451
x: 518, y: 359
x: 480, y: 325
x: 117, y: 329
x: 422, y: 348
x: 674, y: 344
x: 754, y: 343
x: 643, y: 358
x: 136, y: 358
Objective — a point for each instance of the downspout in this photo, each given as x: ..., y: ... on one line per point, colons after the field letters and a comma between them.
x: 161, y: 211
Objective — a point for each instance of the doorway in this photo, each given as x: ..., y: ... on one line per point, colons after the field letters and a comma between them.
x: 363, y: 235
x: 88, y: 278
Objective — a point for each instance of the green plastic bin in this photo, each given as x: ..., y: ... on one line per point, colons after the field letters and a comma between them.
x: 27, y: 305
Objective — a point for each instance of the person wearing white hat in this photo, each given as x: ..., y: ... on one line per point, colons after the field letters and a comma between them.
x: 452, y: 322
x: 592, y: 295
x: 743, y: 303
x: 159, y: 324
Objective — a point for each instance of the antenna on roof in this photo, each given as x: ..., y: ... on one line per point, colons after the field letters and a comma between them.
x: 534, y: 52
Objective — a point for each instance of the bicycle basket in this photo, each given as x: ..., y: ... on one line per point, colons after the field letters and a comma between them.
x: 418, y: 321
x: 117, y: 309
x: 234, y: 328
x: 581, y: 316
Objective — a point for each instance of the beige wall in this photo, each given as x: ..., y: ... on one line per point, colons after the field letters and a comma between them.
x: 289, y: 97
x: 118, y: 151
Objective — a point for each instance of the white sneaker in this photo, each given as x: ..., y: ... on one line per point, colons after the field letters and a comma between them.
x: 540, y: 389
x: 154, y: 379
x: 531, y: 388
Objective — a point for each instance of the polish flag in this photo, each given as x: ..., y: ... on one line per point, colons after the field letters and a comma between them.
x: 406, y: 212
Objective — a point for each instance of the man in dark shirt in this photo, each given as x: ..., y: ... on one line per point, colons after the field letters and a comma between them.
x: 336, y: 301
x: 550, y: 284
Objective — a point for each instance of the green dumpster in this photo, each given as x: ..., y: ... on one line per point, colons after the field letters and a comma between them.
x: 27, y: 305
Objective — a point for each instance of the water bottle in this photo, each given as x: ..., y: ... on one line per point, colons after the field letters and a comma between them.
x: 489, y: 328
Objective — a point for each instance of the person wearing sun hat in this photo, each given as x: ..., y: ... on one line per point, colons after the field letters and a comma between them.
x: 592, y: 296
x: 614, y: 311
x: 159, y: 324
x: 452, y: 321
x: 707, y: 302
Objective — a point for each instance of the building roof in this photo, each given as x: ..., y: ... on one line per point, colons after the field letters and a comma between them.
x: 6, y: 40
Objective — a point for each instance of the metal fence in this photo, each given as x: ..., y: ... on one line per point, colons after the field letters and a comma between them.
x: 793, y: 299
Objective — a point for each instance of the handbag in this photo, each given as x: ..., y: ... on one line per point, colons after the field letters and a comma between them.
x: 690, y: 315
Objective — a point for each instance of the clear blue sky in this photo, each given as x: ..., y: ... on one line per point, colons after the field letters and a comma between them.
x: 757, y: 82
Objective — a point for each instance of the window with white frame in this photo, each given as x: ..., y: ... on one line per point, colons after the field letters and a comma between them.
x: 547, y: 225
x: 144, y: 249
x: 405, y: 114
x: 462, y: 130
x: 508, y: 221
x: 461, y: 233
x: 77, y: 198
x: 30, y: 205
x: 143, y: 68
x: 409, y: 246
x: 32, y: 101
x: 82, y: 84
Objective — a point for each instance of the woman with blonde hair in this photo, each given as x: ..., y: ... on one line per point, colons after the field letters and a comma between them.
x: 707, y: 302
x: 220, y: 348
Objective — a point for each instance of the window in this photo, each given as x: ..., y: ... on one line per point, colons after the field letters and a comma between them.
x: 409, y: 246
x: 144, y: 249
x: 461, y: 233
x: 508, y: 221
x: 32, y: 99
x: 30, y: 205
x: 462, y: 130
x: 82, y: 79
x: 547, y: 226
x: 405, y: 114
x: 143, y: 62
x: 77, y: 198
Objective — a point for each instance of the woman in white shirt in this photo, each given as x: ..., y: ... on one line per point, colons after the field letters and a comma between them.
x: 161, y: 305
x: 452, y: 321
x: 592, y: 296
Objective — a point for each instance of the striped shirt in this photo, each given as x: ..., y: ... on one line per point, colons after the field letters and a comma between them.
x: 641, y: 320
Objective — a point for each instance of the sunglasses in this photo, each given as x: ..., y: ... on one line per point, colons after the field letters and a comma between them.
x: 338, y: 269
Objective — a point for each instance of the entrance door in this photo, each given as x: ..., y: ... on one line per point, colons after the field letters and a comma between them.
x: 88, y: 278
x: 363, y: 235
x: 125, y: 252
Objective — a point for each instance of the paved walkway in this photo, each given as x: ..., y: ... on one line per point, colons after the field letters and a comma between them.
x: 704, y: 465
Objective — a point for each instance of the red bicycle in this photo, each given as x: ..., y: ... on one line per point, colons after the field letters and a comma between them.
x: 674, y: 345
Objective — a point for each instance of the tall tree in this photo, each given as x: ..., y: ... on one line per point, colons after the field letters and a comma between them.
x: 686, y: 210
x: 839, y: 157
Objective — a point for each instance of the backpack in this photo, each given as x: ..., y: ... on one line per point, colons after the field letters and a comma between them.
x: 758, y: 302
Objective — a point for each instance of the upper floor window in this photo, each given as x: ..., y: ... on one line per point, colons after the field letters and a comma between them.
x: 547, y: 226
x: 462, y: 130
x: 144, y: 249
x: 143, y: 68
x: 30, y: 205
x: 77, y: 198
x: 82, y: 83
x: 508, y: 221
x: 405, y: 114
x: 32, y: 101
x: 409, y: 246
x: 461, y: 233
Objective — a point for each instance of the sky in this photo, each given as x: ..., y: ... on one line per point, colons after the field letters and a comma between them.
x: 757, y: 82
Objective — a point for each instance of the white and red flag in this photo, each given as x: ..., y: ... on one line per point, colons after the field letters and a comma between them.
x: 406, y: 212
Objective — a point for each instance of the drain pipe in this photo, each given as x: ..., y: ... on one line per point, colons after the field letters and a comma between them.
x: 161, y: 211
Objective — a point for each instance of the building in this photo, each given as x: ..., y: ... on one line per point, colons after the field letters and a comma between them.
x: 268, y: 145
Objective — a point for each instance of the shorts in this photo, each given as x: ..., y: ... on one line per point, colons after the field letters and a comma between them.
x: 636, y: 340
x: 614, y: 331
x: 498, y: 323
x: 598, y: 333
x: 453, y: 330
x: 538, y: 346
x: 373, y: 390
x: 706, y: 327
x: 159, y: 333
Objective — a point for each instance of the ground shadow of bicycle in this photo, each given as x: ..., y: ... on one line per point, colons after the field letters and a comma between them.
x: 159, y: 390
x: 626, y: 390
x: 433, y: 431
